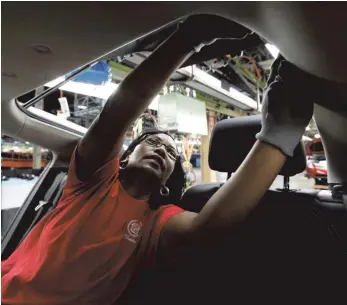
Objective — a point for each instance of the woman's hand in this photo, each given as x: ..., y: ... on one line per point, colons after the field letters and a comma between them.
x: 286, y: 109
x: 104, y: 138
x: 285, y: 116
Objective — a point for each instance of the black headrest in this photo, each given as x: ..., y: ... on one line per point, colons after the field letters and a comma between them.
x: 232, y: 140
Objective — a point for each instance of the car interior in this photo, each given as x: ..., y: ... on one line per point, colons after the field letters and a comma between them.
x: 269, y: 259
x: 293, y: 247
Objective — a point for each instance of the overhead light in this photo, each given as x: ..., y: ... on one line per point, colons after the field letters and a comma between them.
x: 40, y: 48
x: 99, y: 91
x: 206, y: 83
x: 308, y: 128
x: 317, y: 136
x: 82, y: 107
x: 272, y: 49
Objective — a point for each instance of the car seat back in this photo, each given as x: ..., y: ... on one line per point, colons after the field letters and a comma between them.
x: 283, y: 253
x: 233, y: 139
x: 230, y: 143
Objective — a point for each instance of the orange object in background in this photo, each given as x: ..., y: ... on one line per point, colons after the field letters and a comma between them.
x: 19, y: 160
x: 316, y: 164
x: 20, y: 163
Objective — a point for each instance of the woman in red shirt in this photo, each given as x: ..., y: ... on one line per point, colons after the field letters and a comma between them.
x: 86, y: 250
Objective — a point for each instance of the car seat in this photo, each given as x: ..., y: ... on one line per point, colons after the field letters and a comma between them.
x: 230, y: 143
x: 283, y: 253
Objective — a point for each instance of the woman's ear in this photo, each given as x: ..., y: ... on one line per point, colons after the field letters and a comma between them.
x: 123, y: 163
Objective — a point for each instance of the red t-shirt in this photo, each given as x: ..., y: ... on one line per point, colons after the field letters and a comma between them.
x: 86, y: 250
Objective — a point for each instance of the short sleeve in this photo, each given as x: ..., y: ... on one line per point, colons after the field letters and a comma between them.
x: 106, y: 172
x: 160, y: 218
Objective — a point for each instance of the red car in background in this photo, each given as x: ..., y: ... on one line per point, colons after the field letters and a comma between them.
x: 316, y: 166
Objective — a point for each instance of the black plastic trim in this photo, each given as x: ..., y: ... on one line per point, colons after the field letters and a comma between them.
x: 21, y: 211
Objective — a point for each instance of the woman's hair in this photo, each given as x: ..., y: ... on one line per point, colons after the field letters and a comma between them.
x: 176, y: 181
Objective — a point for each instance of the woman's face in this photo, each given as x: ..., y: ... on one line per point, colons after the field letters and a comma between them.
x: 154, y: 157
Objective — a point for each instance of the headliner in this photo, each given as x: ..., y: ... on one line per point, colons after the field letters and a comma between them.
x: 308, y: 34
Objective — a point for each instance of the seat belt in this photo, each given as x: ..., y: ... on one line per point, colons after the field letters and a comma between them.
x: 49, y: 201
x: 51, y: 191
x: 56, y: 188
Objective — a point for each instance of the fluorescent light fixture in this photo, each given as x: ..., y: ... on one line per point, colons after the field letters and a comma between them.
x: 99, y: 91
x: 308, y: 128
x: 272, y: 49
x: 206, y: 83
x: 82, y: 107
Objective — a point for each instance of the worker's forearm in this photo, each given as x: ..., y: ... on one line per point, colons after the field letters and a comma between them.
x: 103, y: 139
x: 141, y: 86
x: 237, y: 198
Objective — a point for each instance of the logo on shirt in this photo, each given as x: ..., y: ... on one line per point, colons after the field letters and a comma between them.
x: 133, y: 230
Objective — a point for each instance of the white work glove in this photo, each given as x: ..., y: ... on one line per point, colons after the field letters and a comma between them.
x: 287, y: 110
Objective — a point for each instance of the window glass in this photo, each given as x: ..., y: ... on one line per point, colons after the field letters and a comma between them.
x: 21, y: 166
x: 315, y: 175
x: 79, y: 101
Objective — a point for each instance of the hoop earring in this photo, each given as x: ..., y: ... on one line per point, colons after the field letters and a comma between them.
x: 123, y: 165
x: 164, y: 190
